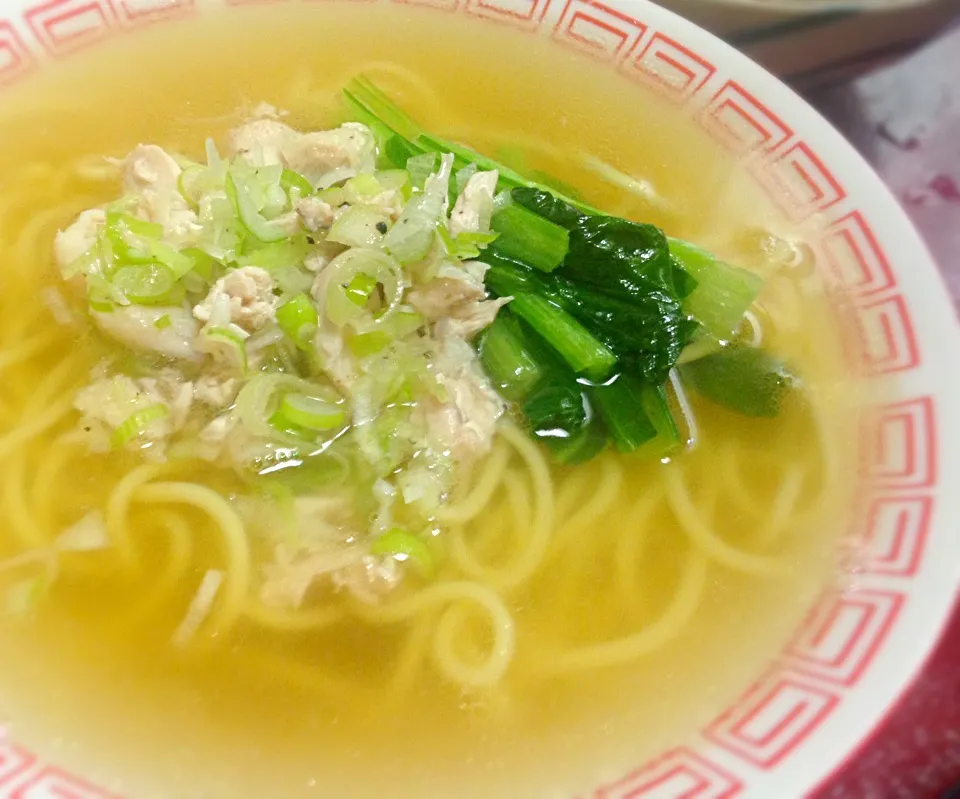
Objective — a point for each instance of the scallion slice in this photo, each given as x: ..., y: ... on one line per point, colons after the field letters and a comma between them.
x: 404, y: 546
x: 145, y: 284
x: 365, y: 344
x: 137, y: 423
x: 298, y: 320
x: 292, y: 181
x: 248, y: 212
x: 311, y: 413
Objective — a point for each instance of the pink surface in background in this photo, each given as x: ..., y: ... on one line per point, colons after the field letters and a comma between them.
x: 906, y: 121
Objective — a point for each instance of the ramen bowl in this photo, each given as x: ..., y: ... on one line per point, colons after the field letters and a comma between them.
x: 861, y: 641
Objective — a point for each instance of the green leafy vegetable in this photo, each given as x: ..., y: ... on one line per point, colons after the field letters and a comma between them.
x: 525, y: 236
x: 584, y: 353
x: 723, y: 293
x: 619, y: 402
x: 749, y: 381
x: 507, y: 359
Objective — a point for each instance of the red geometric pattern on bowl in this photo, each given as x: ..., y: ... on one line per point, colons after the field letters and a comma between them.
x: 63, y: 26
x: 672, y: 69
x: 15, y: 58
x: 895, y: 535
x: 843, y: 633
x: 443, y: 5
x: 771, y: 719
x: 741, y: 122
x: 138, y: 12
x: 22, y: 777
x: 838, y: 641
x: 888, y: 342
x: 799, y: 183
x: 857, y: 263
x: 596, y: 30
x: 679, y: 774
x: 524, y: 14
x: 901, y: 445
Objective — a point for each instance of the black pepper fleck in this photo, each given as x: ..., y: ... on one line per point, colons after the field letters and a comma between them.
x: 382, y: 227
x: 311, y: 240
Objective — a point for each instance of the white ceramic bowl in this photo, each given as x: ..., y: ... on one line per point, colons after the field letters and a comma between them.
x: 857, y: 652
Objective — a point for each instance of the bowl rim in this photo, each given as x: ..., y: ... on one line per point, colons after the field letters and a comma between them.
x: 31, y: 36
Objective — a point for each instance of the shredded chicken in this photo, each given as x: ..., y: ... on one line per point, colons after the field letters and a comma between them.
x: 464, y: 424
x: 151, y: 175
x: 369, y: 578
x: 323, y: 253
x: 215, y: 391
x: 136, y: 327
x: 338, y: 364
x: 77, y: 239
x: 455, y: 301
x: 316, y: 214
x: 243, y: 296
x: 474, y: 207
x: 468, y: 319
x: 436, y: 299
x: 389, y: 203
x: 321, y: 157
x: 109, y: 402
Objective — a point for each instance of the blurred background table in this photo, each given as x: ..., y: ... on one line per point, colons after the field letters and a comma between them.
x: 905, y: 119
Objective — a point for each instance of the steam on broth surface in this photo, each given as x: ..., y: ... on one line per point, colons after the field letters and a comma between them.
x: 657, y: 591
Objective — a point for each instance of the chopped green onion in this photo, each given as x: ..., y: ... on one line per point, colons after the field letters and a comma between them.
x: 359, y: 226
x: 465, y: 245
x: 404, y: 546
x: 135, y: 240
x: 312, y: 413
x: 414, y: 232
x: 393, y: 179
x: 422, y: 166
x: 246, y: 209
x: 365, y: 344
x: 404, y: 322
x: 360, y: 287
x: 204, y: 265
x: 584, y: 353
x: 278, y: 255
x: 529, y: 238
x: 298, y: 320
x: 137, y: 423
x: 145, y: 284
x: 163, y: 322
x: 233, y: 339
x: 293, y: 181
x: 364, y: 185
x: 339, y: 274
x: 117, y: 221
